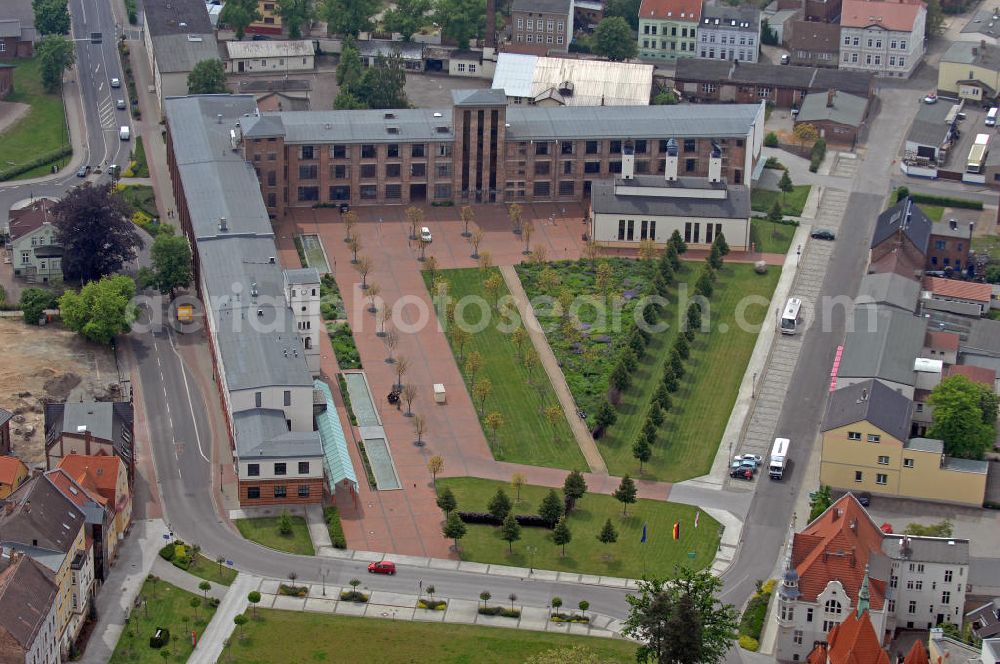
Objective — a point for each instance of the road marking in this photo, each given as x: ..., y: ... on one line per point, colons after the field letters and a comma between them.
x: 194, y: 421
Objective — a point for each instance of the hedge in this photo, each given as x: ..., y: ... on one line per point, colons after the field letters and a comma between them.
x: 354, y: 596
x: 47, y: 158
x: 945, y: 201
x: 499, y: 611
x: 432, y: 604
x: 817, y: 155
x: 530, y: 520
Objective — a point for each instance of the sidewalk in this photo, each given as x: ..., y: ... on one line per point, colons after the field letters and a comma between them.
x: 548, y: 361
x: 213, y: 639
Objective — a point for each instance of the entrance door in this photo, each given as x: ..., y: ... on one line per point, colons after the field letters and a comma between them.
x: 239, y: 66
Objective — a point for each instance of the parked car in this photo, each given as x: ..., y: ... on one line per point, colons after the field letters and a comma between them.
x: 425, y: 234
x: 83, y: 171
x: 120, y: 104
x: 741, y: 473
x: 755, y: 458
x: 260, y: 38
x: 382, y: 567
x: 116, y: 83
x: 823, y: 234
x: 785, y: 59
x: 865, y: 498
x: 930, y: 99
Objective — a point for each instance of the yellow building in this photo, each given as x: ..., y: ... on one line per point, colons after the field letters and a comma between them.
x: 970, y: 70
x: 866, y: 447
x: 270, y: 20
x: 12, y: 473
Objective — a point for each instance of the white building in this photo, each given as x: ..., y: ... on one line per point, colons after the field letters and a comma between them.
x: 177, y: 36
x: 28, y: 624
x: 472, y: 63
x: 544, y: 81
x: 729, y: 33
x: 633, y: 208
x: 270, y: 56
x: 885, y: 38
x: 33, y: 249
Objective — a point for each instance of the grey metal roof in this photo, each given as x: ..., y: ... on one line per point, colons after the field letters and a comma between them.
x: 96, y: 416
x: 563, y: 7
x: 594, y: 82
x: 385, y: 48
x: 973, y: 53
x: 263, y: 433
x: 269, y: 49
x: 945, y: 550
x: 931, y: 445
x: 490, y: 97
x: 180, y: 53
x: 727, y: 14
x: 871, y: 401
x: 847, y: 109
x: 302, y: 275
x: 367, y: 126
x: 5, y: 416
x: 928, y: 127
x: 177, y: 17
x: 966, y: 465
x: 882, y: 343
x: 10, y: 28
x: 984, y: 571
x: 983, y: 22
x: 605, y: 199
x: 905, y: 215
x: 984, y: 338
x: 890, y: 289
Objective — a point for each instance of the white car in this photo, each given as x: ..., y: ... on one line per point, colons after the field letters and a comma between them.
x: 425, y: 234
x: 116, y: 83
x: 755, y: 458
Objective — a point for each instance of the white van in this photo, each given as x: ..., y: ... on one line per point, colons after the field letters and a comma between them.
x: 991, y: 117
x: 125, y: 133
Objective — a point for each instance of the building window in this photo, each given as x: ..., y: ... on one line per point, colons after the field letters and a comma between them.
x: 690, y: 145
x: 853, y: 435
x: 567, y: 168
x: 418, y: 170
x: 809, y: 614
x: 947, y: 577
x: 256, y: 399
x: 566, y: 187
x: 542, y: 189
x: 253, y: 470
x: 272, y: 200
x: 541, y: 148
x: 797, y: 636
x: 592, y: 167
x: 874, y: 438
x: 308, y: 193
x: 392, y: 170
x: 306, y: 152
x: 946, y: 597
x: 369, y: 192
x: 308, y: 172
x: 520, y: 23
x: 368, y: 151
x: 393, y: 191
x: 280, y: 491
x: 443, y: 170
x: 907, y: 463
x: 708, y: 87
x: 341, y: 172
x: 303, y: 491
x: 368, y: 171
x: 442, y: 191
x: 912, y: 608
x: 828, y: 625
x: 338, y: 151
x: 858, y: 476
x: 542, y: 167
x: 592, y: 147
x: 566, y: 147
x: 690, y: 165
x: 883, y: 460
x: 461, y: 67
x: 881, y: 478
x: 303, y: 467
x: 621, y: 229
x: 280, y: 469
x: 253, y: 492
x: 340, y: 193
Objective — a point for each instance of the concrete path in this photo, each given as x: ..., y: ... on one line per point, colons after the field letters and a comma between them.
x: 318, y: 532
x: 175, y: 576
x: 213, y: 639
x: 548, y: 361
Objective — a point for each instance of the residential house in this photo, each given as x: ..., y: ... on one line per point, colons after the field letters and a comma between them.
x: 5, y: 418
x: 885, y: 37
x: 882, y: 343
x: 900, y: 240
x: 842, y: 563
x: 541, y: 81
x: 269, y: 22
x: 981, y: 375
x: 747, y: 83
x: 814, y: 44
x: 177, y: 36
x: 668, y: 28
x: 837, y: 115
x: 282, y: 101
x: 866, y: 447
x: 29, y: 620
x: 90, y: 428
x: 633, y: 208
x: 270, y: 56
x: 96, y: 513
x: 950, y: 246
x: 104, y: 481
x: 13, y: 473
x: 17, y: 29
x: 729, y: 33
x: 891, y: 290
x: 472, y: 63
x: 36, y: 255
x: 411, y: 54
x: 539, y: 26
x: 970, y: 70
x: 6, y: 80
x: 967, y: 298
x: 985, y: 620
x: 39, y: 521
x: 853, y: 640
x: 940, y: 345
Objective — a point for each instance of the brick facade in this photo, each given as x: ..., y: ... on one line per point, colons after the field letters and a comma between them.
x: 6, y: 81
x: 14, y: 47
x: 267, y: 489
x: 949, y: 250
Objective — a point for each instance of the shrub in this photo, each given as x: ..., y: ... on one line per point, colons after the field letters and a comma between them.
x: 168, y: 551
x: 181, y: 562
x: 159, y: 638
x: 293, y: 591
x: 569, y: 618
x: 817, y: 155
x: 354, y: 596
x: 490, y: 610
x: 945, y: 201
x: 530, y: 520
x: 47, y: 158
x: 432, y: 604
x: 772, y: 162
x: 332, y: 517
x: 214, y: 602
x: 510, y: 613
x: 749, y: 643
x: 771, y: 140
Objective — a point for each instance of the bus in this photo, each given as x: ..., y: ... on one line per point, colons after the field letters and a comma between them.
x: 977, y: 155
x: 790, y: 319
x: 779, y: 458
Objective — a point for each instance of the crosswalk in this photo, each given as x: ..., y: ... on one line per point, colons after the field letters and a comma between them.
x: 845, y: 167
x: 106, y: 112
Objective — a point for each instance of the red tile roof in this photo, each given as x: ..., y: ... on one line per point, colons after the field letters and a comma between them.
x: 99, y: 472
x: 976, y: 374
x: 942, y: 340
x: 889, y: 15
x: 853, y: 641
x: 29, y: 218
x: 964, y: 290
x: 76, y: 493
x: 837, y: 546
x: 9, y: 469
x: 682, y: 10
x: 918, y: 654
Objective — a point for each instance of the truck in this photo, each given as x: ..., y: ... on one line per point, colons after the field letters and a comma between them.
x: 779, y: 458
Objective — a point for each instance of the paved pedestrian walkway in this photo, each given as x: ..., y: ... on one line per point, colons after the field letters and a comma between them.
x: 213, y: 639
x: 548, y: 361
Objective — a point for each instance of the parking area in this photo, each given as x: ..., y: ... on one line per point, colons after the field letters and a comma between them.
x: 973, y: 124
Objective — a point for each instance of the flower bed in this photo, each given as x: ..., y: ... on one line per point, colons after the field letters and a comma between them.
x: 354, y: 596
x: 432, y: 604
x: 293, y: 591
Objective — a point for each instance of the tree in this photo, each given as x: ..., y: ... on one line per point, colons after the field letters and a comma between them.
x: 253, y: 597
x: 675, y: 363
x: 494, y: 421
x: 461, y: 20
x: 562, y: 536
x: 350, y: 69
x: 475, y: 240
x: 348, y: 101
x: 204, y: 587
x: 354, y: 244
x: 806, y: 133
x: 446, y: 501
x: 294, y: 14
x: 101, y: 310
x: 499, y: 505
x: 513, y: 598
x: 666, y: 98
x: 574, y: 488
x: 964, y: 417
x: 382, y: 83
x: 409, y: 394
x: 613, y: 39
x: 51, y: 17
x: 373, y: 292
x: 419, y: 428
x: 492, y: 286
x: 934, y: 23
x: 655, y: 413
x: 785, y: 185
x: 902, y: 193
x: 677, y: 242
x: 407, y: 17
x: 527, y: 230
x: 551, y: 509
x: 673, y: 257
x: 608, y: 534
x: 55, y: 55
x: 621, y: 377
x: 626, y: 493
x: 626, y: 9
x: 819, y: 501
x: 681, y: 621
x: 207, y: 78
x: 363, y: 267
x: 583, y: 605
x: 485, y: 596
x: 939, y: 529
x: 473, y: 363
x: 34, y: 302
x: 510, y: 531
x: 715, y: 257
x: 348, y: 17
x: 604, y: 278
x: 481, y: 392
x: 416, y: 217
x: 435, y: 465
x: 240, y: 619
x: 704, y: 287
x: 606, y: 415
x: 641, y: 450
x: 467, y: 214
x: 516, y: 482
x: 556, y: 603
x: 172, y: 266
x: 720, y: 240
x: 238, y: 14
x: 454, y: 529
x: 460, y: 337
x: 553, y: 415
x: 285, y: 524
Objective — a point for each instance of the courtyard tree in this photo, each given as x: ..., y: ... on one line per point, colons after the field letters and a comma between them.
x: 965, y: 414
x: 348, y: 101
x: 204, y: 587
x: 51, y: 17
x: 475, y: 240
x: 574, y: 488
x: 473, y: 363
x: 419, y: 429
x: 407, y: 17
x: 348, y: 17
x: 647, y: 250
x: 350, y: 221
x: 467, y: 214
x: 806, y: 133
x: 454, y: 528
x: 553, y: 414
x: 492, y: 285
x: 608, y: 535
x: 677, y: 242
x: 207, y: 78
x: 390, y: 341
x: 460, y: 338
x: 101, y: 310
x: 613, y: 39
x: 239, y: 14
x: 295, y: 14
x: 819, y: 501
x: 481, y: 392
x: 431, y: 265
x: 934, y: 23
x: 383, y: 83
x: 55, y: 55
x: 494, y: 421
x: 626, y: 493
x: 592, y: 251
x: 518, y: 337
x: 606, y: 416
x: 720, y: 240
x: 364, y: 267
x: 402, y: 366
x: 240, y: 619
x: 34, y: 302
x: 253, y: 597
x: 673, y: 257
x: 446, y: 501
x: 485, y: 261
x: 714, y: 257
x: 552, y: 508
x: 373, y: 292
x: 785, y: 185
x: 435, y: 465
x: 510, y: 531
x: 561, y: 535
x: 354, y: 244
x: 172, y: 264
x: 409, y: 394
x: 641, y: 450
x: 516, y: 482
x: 485, y: 596
x: 515, y: 213
x: 527, y: 230
x: 460, y: 20
x: 416, y: 217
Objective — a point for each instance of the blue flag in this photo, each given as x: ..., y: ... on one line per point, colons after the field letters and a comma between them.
x: 643, y: 540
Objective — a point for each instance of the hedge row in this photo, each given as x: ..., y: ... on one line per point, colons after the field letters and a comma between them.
x: 530, y: 520
x: 945, y: 201
x: 817, y: 155
x: 46, y: 158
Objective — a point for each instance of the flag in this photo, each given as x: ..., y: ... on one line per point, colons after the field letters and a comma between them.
x: 697, y: 515
x: 677, y: 530
x: 643, y: 540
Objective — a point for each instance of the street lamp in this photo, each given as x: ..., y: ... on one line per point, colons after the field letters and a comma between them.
x: 323, y: 574
x: 531, y: 554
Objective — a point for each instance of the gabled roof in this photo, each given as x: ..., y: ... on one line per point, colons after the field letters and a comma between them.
x: 882, y: 343
x: 942, y: 340
x: 853, y: 641
x: 838, y: 545
x: 27, y: 592
x: 270, y: 49
x: 96, y: 472
x: 981, y: 375
x: 895, y: 16
x: 81, y: 493
x: 11, y: 468
x: 872, y: 401
x: 917, y: 654
x: 814, y: 37
x: 890, y: 289
x: 31, y: 217
x: 106, y: 420
x: 962, y: 290
x: 907, y: 218
x: 41, y: 517
x: 783, y: 76
x: 674, y: 10
x: 262, y: 433
x: 489, y: 97
x: 847, y: 109
x: 543, y: 6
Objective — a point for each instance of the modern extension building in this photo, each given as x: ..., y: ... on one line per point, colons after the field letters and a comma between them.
x: 483, y: 151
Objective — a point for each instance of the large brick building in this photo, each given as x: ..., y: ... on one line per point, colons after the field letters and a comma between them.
x: 483, y: 151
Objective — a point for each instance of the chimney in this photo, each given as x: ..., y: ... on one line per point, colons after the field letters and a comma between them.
x: 628, y: 161
x: 953, y: 224
x: 670, y: 167
x: 835, y: 514
x: 223, y: 225
x: 972, y: 226
x: 715, y: 164
x: 830, y: 96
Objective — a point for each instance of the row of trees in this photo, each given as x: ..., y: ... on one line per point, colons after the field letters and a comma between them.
x: 55, y: 52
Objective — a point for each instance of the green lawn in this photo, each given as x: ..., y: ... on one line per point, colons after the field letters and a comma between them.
x: 141, y: 197
x: 264, y: 530
x: 344, y: 347
x: 762, y: 200
x: 294, y: 636
x: 526, y: 435
x: 42, y: 130
x: 694, y: 425
x: 585, y: 554
x: 771, y: 238
x: 140, y: 168
x: 166, y: 606
x: 210, y: 570
x: 990, y: 243
x: 933, y: 212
